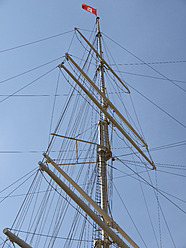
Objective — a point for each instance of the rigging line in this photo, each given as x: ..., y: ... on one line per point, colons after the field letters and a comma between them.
x: 27, y: 85
x: 17, y: 180
x: 147, y: 184
x: 158, y: 106
x: 62, y: 114
x: 156, y: 63
x: 131, y: 148
x: 91, y: 31
x: 167, y: 146
x: 23, y: 203
x: 158, y: 208
x: 174, y: 174
x: 146, y: 205
x: 169, y: 166
x: 48, y: 236
x: 78, y: 92
x: 53, y: 108
x: 152, y: 186
x: 147, y: 64
x: 17, y: 187
x: 136, y: 74
x: 85, y: 47
x: 59, y: 122
x: 85, y: 130
x: 4, y: 243
x: 71, y: 42
x: 64, y: 198
x: 34, y: 42
x: 35, y: 68
x: 148, y: 76
x: 154, y: 149
x: 33, y: 95
x: 163, y: 214
x: 129, y: 214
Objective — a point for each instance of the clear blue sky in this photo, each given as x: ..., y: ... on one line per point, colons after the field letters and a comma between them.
x: 154, y: 31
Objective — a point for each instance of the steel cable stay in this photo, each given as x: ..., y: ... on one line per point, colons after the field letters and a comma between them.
x: 27, y: 85
x: 161, y: 165
x: 142, y: 162
x: 136, y: 74
x: 161, y: 213
x: 4, y: 198
x: 165, y: 112
x: 53, y: 108
x: 168, y: 146
x: 33, y: 69
x: 129, y: 118
x: 161, y: 74
x: 137, y: 229
x: 148, y: 76
x: 153, y: 102
x: 168, y: 166
x: 18, y: 222
x: 18, y: 180
x: 147, y: 208
x: 45, y: 235
x: 157, y: 62
x: 151, y: 185
x: 136, y: 178
x: 156, y: 192
x: 77, y: 208
x: 37, y: 41
x: 49, y: 212
x: 44, y: 191
x: 85, y: 219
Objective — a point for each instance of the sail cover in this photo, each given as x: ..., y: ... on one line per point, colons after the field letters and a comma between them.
x: 89, y: 9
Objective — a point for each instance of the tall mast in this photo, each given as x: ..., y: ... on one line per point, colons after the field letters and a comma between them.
x: 103, y: 139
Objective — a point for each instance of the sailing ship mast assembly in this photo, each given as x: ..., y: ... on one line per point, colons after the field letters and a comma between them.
x: 106, y: 223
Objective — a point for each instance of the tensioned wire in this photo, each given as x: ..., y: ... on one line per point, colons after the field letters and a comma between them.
x: 66, y: 199
x: 116, y: 177
x: 49, y: 236
x: 160, y: 108
x: 155, y: 195
x: 142, y: 172
x: 146, y: 205
x: 127, y: 113
x: 112, y: 78
x: 18, y: 185
x: 25, y: 86
x: 151, y: 185
x: 145, y: 63
x: 59, y: 123
x: 36, y: 41
x: 87, y: 152
x: 136, y: 74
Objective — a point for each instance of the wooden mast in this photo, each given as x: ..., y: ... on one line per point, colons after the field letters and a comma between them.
x: 103, y: 140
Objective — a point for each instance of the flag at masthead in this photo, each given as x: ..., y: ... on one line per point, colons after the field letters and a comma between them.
x: 89, y: 9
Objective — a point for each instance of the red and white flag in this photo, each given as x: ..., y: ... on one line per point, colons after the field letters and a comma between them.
x: 89, y: 9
